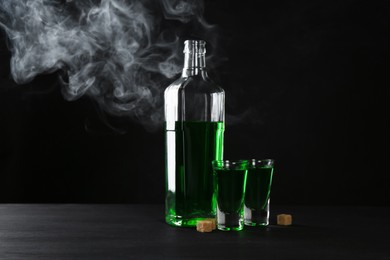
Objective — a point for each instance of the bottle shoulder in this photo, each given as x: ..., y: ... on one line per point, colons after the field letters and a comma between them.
x: 195, y: 83
x: 176, y: 85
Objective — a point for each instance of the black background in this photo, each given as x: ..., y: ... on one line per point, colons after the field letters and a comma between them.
x: 307, y: 83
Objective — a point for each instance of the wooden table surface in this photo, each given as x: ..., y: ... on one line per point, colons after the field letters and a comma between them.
x: 138, y: 231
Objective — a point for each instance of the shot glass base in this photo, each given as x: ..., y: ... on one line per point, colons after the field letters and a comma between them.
x: 256, y: 217
x: 225, y: 228
x: 255, y: 224
x: 229, y: 221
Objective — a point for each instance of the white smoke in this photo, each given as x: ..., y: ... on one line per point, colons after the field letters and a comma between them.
x: 114, y: 51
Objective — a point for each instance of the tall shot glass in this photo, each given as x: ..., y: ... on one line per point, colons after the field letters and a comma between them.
x: 257, y: 195
x: 229, y: 190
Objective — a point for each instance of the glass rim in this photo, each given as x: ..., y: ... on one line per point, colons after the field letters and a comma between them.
x: 234, y: 161
x: 261, y: 162
x: 232, y: 164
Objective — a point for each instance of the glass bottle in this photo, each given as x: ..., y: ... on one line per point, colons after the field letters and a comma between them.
x: 194, y: 115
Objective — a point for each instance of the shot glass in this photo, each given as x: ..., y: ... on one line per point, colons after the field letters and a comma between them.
x: 229, y: 191
x: 257, y: 194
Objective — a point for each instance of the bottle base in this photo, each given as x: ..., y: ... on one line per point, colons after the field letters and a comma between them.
x: 178, y: 221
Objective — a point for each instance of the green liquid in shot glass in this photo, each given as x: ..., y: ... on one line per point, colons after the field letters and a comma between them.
x: 230, y: 190
x: 258, y: 187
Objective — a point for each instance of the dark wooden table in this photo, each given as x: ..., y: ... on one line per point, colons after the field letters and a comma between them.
x: 117, y: 231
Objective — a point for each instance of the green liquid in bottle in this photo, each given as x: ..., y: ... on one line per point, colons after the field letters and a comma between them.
x: 192, y: 146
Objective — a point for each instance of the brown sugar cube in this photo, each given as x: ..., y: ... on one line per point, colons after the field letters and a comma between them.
x: 204, y: 226
x: 284, y: 219
x: 214, y: 221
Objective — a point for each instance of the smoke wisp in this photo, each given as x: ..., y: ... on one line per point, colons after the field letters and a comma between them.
x: 115, y: 51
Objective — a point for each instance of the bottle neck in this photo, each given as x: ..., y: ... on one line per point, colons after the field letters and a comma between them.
x: 194, y: 64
